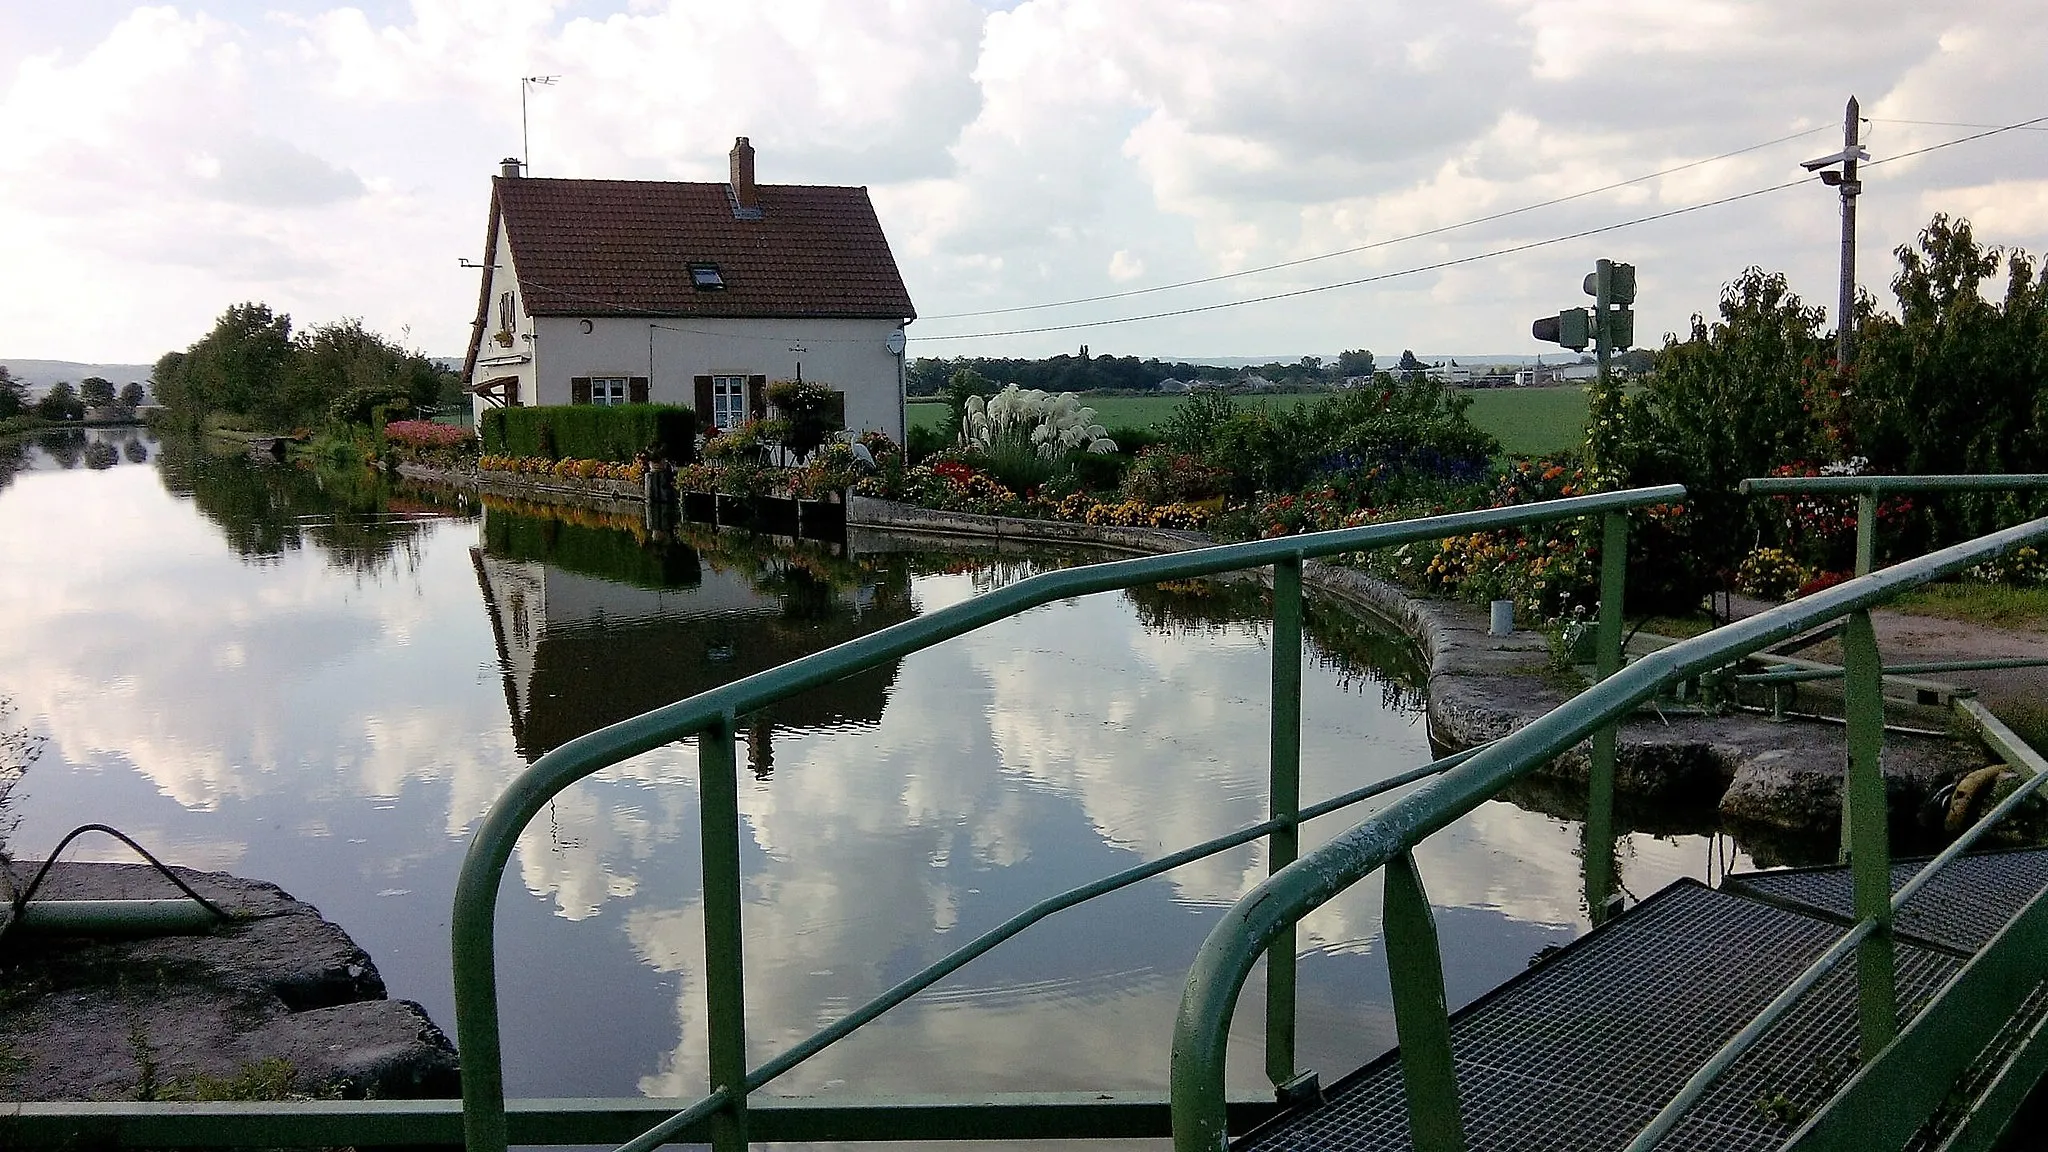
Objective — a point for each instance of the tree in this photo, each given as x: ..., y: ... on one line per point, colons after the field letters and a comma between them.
x: 131, y: 395
x: 236, y: 367
x: 96, y: 392
x: 61, y: 403
x: 333, y: 360
x: 13, y: 394
x: 1409, y: 365
x: 1955, y: 383
x: 1354, y: 362
x: 251, y: 366
x: 1730, y: 401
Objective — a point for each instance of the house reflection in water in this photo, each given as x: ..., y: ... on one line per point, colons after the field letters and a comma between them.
x: 598, y: 620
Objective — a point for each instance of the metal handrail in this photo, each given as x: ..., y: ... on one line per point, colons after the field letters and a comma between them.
x: 713, y: 715
x: 1867, y: 489
x: 1227, y: 955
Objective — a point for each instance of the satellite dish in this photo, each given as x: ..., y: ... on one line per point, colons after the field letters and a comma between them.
x: 895, y: 342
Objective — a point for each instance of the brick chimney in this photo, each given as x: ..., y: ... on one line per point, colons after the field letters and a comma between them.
x: 743, y: 194
x: 509, y: 167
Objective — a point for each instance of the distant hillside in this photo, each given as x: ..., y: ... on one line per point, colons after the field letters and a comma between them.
x: 40, y: 374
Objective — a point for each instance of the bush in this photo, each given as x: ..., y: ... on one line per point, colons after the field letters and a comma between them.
x: 1771, y: 574
x: 613, y: 433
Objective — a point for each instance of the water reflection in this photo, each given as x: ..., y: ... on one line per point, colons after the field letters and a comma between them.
x: 350, y: 515
x: 598, y: 619
x: 333, y: 698
x: 63, y: 449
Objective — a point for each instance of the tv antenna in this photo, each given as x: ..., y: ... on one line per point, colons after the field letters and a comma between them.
x: 526, y: 144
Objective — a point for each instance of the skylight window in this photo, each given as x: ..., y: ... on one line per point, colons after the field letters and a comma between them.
x: 706, y: 277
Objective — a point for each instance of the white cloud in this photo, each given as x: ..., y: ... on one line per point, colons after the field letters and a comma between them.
x: 332, y: 160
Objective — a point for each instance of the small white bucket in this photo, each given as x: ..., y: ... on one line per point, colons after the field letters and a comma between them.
x: 1503, y: 621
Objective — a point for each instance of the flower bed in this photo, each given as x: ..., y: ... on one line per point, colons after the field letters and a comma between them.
x: 629, y: 473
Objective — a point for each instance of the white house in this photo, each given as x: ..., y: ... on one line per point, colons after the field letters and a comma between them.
x: 635, y: 291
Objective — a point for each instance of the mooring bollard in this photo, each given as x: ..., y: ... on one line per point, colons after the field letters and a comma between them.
x: 1503, y: 621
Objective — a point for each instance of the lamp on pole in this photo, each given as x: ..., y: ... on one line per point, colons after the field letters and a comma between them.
x: 1851, y: 187
x: 525, y: 144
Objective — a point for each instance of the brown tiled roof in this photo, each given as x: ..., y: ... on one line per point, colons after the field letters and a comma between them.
x: 624, y: 248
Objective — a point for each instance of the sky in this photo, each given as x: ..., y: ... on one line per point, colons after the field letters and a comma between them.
x: 159, y: 163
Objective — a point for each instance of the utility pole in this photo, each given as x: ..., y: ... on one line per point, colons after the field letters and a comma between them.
x: 1846, y: 316
x: 526, y: 144
x: 1851, y: 187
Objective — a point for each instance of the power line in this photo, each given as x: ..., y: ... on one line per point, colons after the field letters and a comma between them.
x: 2027, y: 125
x: 1953, y: 124
x: 1376, y: 243
x: 1441, y: 264
x: 1474, y: 258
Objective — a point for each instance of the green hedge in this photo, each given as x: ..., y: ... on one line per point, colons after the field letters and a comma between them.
x: 611, y: 432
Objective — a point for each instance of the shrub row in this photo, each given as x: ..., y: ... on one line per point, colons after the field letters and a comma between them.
x: 614, y: 433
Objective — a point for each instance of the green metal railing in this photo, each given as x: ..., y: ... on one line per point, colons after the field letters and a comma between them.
x: 1868, y: 489
x: 1387, y: 839
x: 713, y: 716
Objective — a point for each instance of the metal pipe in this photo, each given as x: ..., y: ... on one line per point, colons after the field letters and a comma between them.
x: 1852, y: 485
x: 1798, y: 675
x: 178, y: 917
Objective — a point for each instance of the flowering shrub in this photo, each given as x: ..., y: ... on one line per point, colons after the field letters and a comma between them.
x: 1822, y: 583
x: 2024, y: 566
x: 953, y: 486
x: 1545, y: 575
x: 1822, y: 529
x: 1084, y: 509
x: 1771, y: 574
x: 1163, y: 476
x: 743, y: 441
x: 830, y: 471
x: 561, y: 469
x: 427, y: 434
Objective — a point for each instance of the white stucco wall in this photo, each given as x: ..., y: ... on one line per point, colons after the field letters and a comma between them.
x: 850, y: 355
x: 492, y: 358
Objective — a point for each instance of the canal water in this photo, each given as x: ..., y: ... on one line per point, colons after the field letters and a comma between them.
x: 318, y: 679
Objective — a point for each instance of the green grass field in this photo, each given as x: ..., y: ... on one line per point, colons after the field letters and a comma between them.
x: 1526, y: 421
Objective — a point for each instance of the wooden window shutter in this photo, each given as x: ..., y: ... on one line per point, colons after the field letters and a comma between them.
x: 636, y: 390
x: 703, y: 384
x: 579, y: 389
x: 838, y: 409
x: 757, y: 397
x: 512, y: 393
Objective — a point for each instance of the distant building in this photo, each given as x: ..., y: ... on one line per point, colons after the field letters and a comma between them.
x: 1176, y: 387
x: 634, y: 291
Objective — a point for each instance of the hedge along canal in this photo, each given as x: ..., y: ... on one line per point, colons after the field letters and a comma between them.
x: 324, y: 678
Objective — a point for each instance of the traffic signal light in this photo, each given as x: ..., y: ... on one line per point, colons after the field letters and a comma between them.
x: 1613, y: 288
x: 1572, y: 328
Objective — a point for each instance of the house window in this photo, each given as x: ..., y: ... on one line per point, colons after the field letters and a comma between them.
x: 728, y: 400
x: 706, y: 278
x: 608, y: 389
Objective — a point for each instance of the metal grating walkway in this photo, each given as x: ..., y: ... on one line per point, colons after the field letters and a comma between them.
x: 1581, y: 1050
x: 1962, y: 908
